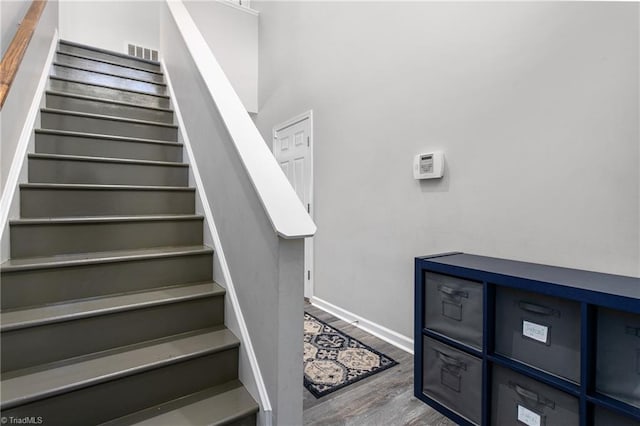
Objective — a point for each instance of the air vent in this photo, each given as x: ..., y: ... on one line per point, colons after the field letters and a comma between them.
x: 142, y: 52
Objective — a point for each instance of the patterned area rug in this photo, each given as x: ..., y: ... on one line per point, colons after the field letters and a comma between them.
x: 333, y: 360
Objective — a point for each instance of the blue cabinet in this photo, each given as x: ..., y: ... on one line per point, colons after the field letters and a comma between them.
x: 534, y: 345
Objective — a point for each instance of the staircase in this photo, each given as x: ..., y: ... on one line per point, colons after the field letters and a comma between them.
x: 109, y: 313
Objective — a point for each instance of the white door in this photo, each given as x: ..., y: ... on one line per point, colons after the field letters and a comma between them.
x: 292, y: 147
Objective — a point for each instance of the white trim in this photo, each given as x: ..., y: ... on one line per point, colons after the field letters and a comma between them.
x: 286, y: 213
x: 245, y: 338
x: 396, y: 339
x: 235, y: 5
x: 307, y: 115
x: 11, y: 185
x: 295, y: 120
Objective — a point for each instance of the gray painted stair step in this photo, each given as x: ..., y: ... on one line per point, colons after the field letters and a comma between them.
x: 106, y: 146
x: 50, y: 168
x: 86, y: 104
x: 100, y: 91
x: 63, y: 312
x: 108, y: 80
x: 105, y: 125
x: 28, y: 385
x: 119, y: 58
x: 46, y: 237
x: 67, y: 200
x: 221, y: 405
x: 43, y: 280
x: 120, y: 382
x: 97, y: 258
x: 121, y: 320
x: 107, y: 67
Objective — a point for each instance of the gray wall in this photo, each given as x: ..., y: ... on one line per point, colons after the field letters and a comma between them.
x: 534, y: 104
x: 110, y: 24
x: 232, y: 35
x: 267, y: 271
x: 11, y: 15
x: 20, y: 97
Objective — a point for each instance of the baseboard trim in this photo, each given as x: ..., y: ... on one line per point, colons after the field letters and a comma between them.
x: 396, y: 339
x: 266, y: 411
x: 11, y: 185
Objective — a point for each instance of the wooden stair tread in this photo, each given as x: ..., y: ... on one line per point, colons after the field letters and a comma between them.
x: 105, y: 160
x: 75, y: 67
x: 73, y: 80
x: 104, y: 61
x: 107, y: 117
x: 105, y: 101
x: 70, y: 133
x: 103, y: 219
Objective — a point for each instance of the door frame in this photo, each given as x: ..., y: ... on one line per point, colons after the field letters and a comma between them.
x: 309, y: 269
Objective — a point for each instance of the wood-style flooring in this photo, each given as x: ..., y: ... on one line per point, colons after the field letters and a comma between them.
x: 384, y: 399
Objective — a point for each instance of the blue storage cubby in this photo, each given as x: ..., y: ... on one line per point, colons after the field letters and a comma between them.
x: 552, y: 339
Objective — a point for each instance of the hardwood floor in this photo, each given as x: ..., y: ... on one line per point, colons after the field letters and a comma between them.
x: 384, y: 399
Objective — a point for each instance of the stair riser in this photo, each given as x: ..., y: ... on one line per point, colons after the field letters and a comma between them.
x: 245, y: 421
x: 107, y: 57
x: 107, y: 80
x: 117, y: 398
x: 51, y: 239
x: 105, y: 126
x: 69, y: 171
x: 108, y: 93
x: 63, y: 340
x: 211, y: 407
x: 92, y: 147
x: 73, y: 202
x: 54, y: 285
x: 103, y: 108
x: 108, y: 68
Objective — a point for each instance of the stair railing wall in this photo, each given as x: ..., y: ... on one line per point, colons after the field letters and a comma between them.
x: 284, y: 210
x: 256, y: 220
x: 19, y: 114
x: 12, y: 58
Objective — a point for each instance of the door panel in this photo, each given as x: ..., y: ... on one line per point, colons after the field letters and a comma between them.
x: 298, y: 178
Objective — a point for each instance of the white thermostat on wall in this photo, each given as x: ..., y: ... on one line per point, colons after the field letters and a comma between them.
x: 429, y: 165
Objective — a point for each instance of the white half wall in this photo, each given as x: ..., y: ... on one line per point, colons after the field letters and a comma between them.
x: 262, y: 272
x: 535, y: 105
x: 111, y: 24
x: 232, y: 35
